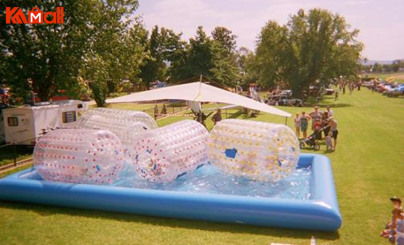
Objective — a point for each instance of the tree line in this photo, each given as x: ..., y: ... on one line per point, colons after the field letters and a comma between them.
x: 395, y: 66
x: 103, y: 43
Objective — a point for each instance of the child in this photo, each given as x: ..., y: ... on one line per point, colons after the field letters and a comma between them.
x: 395, y: 228
x: 317, y: 129
x: 328, y: 141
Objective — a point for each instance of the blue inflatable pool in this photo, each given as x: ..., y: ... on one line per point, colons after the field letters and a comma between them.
x: 320, y: 212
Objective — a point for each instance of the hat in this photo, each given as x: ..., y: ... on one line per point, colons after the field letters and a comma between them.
x: 395, y: 199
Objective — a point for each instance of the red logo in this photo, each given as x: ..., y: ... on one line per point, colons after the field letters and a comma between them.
x: 35, y: 16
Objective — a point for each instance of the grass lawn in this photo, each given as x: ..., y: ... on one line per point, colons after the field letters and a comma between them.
x: 368, y: 167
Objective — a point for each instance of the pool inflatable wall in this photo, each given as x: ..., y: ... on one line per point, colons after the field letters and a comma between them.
x: 321, y: 212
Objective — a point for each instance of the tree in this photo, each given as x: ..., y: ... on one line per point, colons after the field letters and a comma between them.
x: 199, y: 57
x: 54, y: 56
x: 153, y: 66
x: 397, y: 64
x: 213, y: 58
x: 166, y: 51
x: 271, y: 54
x: 225, y: 38
x: 247, y: 68
x: 224, y: 70
x: 313, y: 46
x: 49, y: 55
x: 116, y: 47
x: 174, y: 51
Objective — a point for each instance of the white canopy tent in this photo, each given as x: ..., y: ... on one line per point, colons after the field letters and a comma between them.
x: 198, y: 92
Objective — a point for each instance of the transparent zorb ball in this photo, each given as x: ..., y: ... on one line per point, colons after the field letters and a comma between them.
x: 126, y: 116
x: 256, y: 150
x: 79, y: 156
x: 163, y: 154
x: 124, y: 129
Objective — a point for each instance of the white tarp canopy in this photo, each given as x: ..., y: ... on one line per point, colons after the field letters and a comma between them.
x: 199, y: 92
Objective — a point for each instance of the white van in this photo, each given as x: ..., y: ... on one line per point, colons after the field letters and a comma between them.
x: 24, y: 125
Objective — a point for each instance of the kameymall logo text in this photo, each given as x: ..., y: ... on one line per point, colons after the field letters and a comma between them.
x: 35, y: 16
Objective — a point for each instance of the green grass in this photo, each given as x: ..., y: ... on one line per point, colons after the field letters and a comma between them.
x: 368, y: 168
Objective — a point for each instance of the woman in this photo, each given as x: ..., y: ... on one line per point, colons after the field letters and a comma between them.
x: 324, y: 123
x: 304, y: 122
x: 297, y: 125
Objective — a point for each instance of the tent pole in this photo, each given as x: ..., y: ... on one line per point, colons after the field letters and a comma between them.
x: 286, y: 121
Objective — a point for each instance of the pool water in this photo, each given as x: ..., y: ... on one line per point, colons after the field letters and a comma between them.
x: 210, y: 179
x: 304, y: 200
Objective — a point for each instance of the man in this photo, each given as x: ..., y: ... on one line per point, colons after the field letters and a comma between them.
x: 329, y: 111
x: 334, y: 129
x: 156, y: 112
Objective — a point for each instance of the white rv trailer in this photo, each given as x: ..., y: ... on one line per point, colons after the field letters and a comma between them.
x: 24, y: 125
x: 2, y: 133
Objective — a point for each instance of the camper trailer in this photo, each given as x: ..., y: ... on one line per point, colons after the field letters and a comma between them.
x: 2, y: 133
x: 24, y: 125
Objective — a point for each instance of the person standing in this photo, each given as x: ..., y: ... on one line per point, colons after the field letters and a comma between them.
x: 330, y: 113
x: 156, y: 112
x: 315, y: 116
x: 304, y: 122
x: 334, y: 130
x: 324, y: 124
x: 297, y: 125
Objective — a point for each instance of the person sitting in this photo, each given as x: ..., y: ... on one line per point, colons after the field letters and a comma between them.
x: 164, y: 110
x: 200, y: 116
x: 217, y: 117
x: 399, y: 226
x: 395, y: 227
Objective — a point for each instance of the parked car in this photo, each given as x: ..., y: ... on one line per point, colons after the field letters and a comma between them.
x: 292, y: 102
x: 396, y: 91
x: 283, y: 100
x: 329, y: 91
x: 368, y: 84
x: 387, y: 89
x: 286, y: 93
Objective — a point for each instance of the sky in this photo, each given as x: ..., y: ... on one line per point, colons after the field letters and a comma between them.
x: 381, y: 22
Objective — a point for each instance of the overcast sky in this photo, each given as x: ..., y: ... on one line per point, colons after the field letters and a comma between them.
x: 381, y: 22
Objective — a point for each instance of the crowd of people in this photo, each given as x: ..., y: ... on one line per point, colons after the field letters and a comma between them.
x: 395, y: 228
x: 321, y: 123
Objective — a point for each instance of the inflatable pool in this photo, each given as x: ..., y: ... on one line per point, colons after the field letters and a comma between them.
x: 319, y: 212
